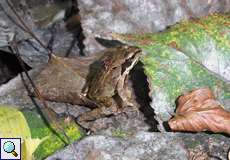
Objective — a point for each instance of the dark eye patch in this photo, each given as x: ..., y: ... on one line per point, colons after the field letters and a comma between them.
x: 127, y: 63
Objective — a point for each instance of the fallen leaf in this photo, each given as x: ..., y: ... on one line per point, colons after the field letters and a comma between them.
x: 190, y: 54
x: 14, y: 124
x: 50, y: 141
x: 29, y: 146
x: 199, y: 111
x: 63, y: 79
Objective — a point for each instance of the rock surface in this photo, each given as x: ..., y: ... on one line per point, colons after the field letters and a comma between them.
x: 101, y: 17
x: 147, y: 146
x: 46, y: 20
x: 141, y: 146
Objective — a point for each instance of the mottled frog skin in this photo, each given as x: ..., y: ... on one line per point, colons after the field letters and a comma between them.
x: 105, y: 87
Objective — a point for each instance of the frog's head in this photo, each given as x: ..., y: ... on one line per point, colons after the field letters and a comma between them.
x: 124, y: 56
x: 109, y: 81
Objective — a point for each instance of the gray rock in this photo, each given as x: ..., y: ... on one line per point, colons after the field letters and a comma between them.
x: 124, y: 124
x: 211, y: 146
x: 7, y: 26
x: 101, y: 17
x: 141, y: 146
x: 14, y: 93
x: 11, y: 28
x: 45, y: 19
x: 147, y: 146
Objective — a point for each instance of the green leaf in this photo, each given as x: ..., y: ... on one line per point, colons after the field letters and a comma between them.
x: 38, y: 140
x: 191, y: 54
x: 14, y: 125
x: 29, y: 146
x: 53, y: 142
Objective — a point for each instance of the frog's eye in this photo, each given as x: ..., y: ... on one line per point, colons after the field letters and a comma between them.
x: 114, y: 68
x: 107, y: 62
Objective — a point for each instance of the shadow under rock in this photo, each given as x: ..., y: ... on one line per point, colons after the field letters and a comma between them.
x: 73, y: 25
x: 108, y: 43
x: 141, y: 89
x: 9, y: 66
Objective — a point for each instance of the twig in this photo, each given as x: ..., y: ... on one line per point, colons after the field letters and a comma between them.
x: 13, y: 47
x: 39, y: 109
x: 51, y: 114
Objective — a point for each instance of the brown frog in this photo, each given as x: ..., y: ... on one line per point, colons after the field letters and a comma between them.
x: 106, y: 82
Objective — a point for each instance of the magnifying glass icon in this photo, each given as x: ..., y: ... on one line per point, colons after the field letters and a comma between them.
x: 9, y: 147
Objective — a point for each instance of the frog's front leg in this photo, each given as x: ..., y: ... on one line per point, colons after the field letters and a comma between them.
x: 125, y: 92
x: 97, y: 113
x: 87, y: 102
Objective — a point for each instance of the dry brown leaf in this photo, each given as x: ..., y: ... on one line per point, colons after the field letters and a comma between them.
x: 62, y: 79
x: 199, y: 111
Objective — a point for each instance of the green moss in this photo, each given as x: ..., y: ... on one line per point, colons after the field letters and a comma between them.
x: 39, y: 129
x: 216, y: 136
x: 119, y: 133
x: 193, y: 144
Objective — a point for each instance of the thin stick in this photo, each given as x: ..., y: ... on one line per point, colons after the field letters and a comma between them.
x: 51, y: 114
x: 14, y: 49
